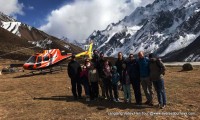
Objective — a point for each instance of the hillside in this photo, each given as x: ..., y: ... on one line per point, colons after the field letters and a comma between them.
x: 16, y: 36
x: 10, y: 44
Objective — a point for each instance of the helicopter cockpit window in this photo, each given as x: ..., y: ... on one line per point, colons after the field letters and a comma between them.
x: 46, y: 58
x: 39, y: 59
x: 32, y: 59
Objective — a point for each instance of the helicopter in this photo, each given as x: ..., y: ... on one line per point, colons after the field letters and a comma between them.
x: 52, y: 57
x: 45, y: 60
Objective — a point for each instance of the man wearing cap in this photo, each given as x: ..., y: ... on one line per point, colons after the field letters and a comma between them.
x: 74, y: 70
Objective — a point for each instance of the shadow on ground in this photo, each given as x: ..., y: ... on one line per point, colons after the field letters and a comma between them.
x: 36, y: 73
x: 100, y: 103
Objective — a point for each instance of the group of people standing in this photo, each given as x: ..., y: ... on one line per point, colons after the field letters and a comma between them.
x: 136, y: 72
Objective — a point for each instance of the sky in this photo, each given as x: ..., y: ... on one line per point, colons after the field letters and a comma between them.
x: 74, y: 19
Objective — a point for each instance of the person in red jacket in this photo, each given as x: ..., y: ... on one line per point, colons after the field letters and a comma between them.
x: 85, y: 81
x: 107, y: 76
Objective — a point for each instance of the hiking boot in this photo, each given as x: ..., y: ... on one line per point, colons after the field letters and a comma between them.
x: 147, y: 102
x: 87, y: 99
x: 163, y: 106
x: 117, y: 100
x: 75, y: 98
x: 150, y: 104
x: 139, y: 103
x: 110, y: 99
x: 95, y: 99
x: 159, y: 105
x: 102, y: 97
x: 128, y: 101
x: 80, y: 97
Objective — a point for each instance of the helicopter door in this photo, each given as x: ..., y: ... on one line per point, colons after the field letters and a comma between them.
x: 46, y: 58
x: 51, y: 58
x: 39, y: 60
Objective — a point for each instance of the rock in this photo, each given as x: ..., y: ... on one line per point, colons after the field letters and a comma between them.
x: 7, y: 70
x: 187, y: 67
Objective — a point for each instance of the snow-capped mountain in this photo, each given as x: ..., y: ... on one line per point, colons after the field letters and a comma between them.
x: 27, y: 36
x: 11, y: 24
x: 6, y: 18
x: 12, y: 27
x: 165, y: 27
x: 82, y: 45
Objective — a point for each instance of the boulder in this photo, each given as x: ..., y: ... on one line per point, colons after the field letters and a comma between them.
x: 187, y: 67
x: 7, y: 70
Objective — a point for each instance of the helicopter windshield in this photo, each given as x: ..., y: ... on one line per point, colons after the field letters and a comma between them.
x: 32, y: 59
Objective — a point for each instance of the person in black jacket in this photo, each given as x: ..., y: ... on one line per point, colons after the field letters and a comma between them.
x: 118, y: 64
x: 133, y: 70
x: 95, y: 58
x: 99, y: 66
x: 74, y: 70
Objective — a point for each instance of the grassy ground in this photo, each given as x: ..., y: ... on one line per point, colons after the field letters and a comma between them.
x: 49, y: 97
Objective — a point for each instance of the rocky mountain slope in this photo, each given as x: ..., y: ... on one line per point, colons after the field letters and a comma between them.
x: 14, y: 33
x: 165, y: 27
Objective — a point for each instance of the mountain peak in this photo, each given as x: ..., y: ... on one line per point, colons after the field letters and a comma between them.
x: 163, y: 27
x: 6, y: 18
x: 16, y: 35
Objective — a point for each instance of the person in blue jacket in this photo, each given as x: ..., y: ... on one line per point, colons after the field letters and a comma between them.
x: 145, y: 78
x: 115, y: 81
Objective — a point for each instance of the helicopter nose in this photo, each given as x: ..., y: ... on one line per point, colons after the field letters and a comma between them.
x: 28, y: 66
x: 25, y: 66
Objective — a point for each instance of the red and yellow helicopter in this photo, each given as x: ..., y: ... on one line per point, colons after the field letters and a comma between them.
x: 52, y: 57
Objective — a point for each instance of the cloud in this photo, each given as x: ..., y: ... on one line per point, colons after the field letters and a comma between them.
x: 11, y: 7
x: 79, y: 19
x: 30, y: 7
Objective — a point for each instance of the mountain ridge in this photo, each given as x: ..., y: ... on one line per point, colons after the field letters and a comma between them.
x: 33, y: 37
x: 163, y: 27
